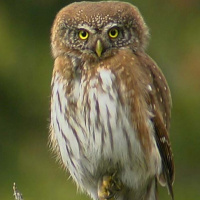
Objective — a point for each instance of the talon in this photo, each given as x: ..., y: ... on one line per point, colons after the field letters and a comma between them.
x: 108, y: 186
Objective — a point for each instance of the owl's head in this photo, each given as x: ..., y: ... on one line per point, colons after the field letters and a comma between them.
x: 98, y: 29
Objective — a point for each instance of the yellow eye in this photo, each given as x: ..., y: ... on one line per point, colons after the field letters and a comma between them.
x: 113, y: 33
x: 83, y: 35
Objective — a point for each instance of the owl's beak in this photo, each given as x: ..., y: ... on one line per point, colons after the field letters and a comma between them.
x: 99, y: 48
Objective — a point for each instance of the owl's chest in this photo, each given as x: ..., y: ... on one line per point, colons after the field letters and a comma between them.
x: 99, y: 91
x: 97, y: 98
x: 99, y: 106
x: 93, y: 122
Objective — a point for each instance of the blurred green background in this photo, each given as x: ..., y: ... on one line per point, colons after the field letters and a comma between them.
x: 25, y: 75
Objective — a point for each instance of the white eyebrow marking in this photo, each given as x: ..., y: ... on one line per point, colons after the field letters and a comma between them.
x: 86, y: 27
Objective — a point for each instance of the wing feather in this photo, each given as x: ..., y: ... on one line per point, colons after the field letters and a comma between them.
x: 160, y: 101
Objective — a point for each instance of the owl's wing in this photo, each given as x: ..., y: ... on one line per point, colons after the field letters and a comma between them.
x: 160, y: 100
x: 163, y: 143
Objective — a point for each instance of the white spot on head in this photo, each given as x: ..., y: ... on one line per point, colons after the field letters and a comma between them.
x: 160, y: 77
x: 161, y: 99
x: 165, y: 88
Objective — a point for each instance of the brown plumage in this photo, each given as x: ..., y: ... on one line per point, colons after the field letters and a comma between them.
x: 110, y: 104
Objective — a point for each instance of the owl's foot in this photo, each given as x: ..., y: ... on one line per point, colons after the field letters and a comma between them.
x: 108, y: 186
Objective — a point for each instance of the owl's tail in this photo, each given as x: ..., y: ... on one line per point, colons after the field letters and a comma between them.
x: 148, y: 193
x: 152, y: 191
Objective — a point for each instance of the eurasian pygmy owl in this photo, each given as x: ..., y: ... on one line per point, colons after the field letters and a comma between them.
x: 110, y: 103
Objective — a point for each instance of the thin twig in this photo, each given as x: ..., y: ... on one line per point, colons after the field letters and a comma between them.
x: 17, y: 194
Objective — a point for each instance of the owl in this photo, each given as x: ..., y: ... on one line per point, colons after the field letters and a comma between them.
x: 110, y: 103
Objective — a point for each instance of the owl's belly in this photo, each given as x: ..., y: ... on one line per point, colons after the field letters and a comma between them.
x: 111, y: 142
x: 95, y: 134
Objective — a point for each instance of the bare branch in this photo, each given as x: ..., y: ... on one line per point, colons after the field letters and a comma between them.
x: 17, y: 194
